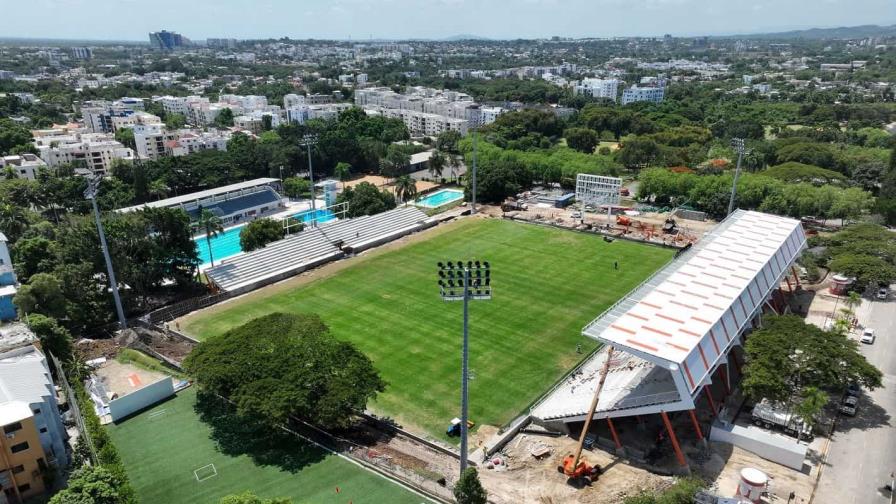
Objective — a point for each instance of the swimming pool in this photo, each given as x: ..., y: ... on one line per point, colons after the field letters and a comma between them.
x: 440, y: 198
x: 224, y: 245
x: 323, y: 215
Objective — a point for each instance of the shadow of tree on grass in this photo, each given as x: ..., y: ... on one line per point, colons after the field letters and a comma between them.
x: 265, y: 445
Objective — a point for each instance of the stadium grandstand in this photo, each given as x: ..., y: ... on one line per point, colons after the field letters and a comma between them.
x: 313, y: 247
x: 680, y: 331
x: 231, y: 203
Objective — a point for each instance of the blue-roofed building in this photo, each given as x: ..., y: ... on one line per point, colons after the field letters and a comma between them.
x: 232, y: 203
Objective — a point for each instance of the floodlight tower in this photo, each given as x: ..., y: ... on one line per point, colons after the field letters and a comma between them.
x: 93, y: 184
x: 463, y: 282
x: 738, y: 144
x: 310, y: 141
x: 475, y: 120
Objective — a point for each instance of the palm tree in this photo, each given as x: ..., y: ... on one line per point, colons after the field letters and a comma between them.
x: 12, y: 220
x: 158, y: 189
x: 853, y: 300
x: 436, y: 164
x: 343, y: 171
x: 405, y: 188
x: 454, y: 162
x: 212, y: 226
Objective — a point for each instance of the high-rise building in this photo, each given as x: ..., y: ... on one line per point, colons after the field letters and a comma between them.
x: 168, y: 41
x: 84, y: 53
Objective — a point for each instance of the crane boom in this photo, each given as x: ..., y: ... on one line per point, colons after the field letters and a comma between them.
x: 600, y: 386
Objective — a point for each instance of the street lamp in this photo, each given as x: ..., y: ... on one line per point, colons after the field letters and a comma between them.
x: 309, y: 141
x: 462, y: 281
x: 93, y: 184
x: 738, y: 144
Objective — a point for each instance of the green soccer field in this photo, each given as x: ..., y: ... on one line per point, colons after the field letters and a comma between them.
x: 547, y: 284
x: 163, y: 446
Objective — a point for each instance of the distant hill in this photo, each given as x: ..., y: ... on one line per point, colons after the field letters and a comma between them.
x: 843, y: 32
x: 455, y: 38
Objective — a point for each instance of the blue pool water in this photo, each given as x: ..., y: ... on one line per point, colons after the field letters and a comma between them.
x: 226, y: 244
x: 322, y: 215
x: 440, y: 198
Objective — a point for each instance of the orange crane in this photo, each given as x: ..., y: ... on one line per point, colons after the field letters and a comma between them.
x: 574, y: 466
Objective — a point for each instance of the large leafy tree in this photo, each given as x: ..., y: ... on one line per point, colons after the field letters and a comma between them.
x: 254, y: 366
x: 42, y: 294
x: 366, y: 199
x: 787, y: 355
x: 92, y: 485
x: 581, y: 139
x: 53, y: 337
x: 259, y: 233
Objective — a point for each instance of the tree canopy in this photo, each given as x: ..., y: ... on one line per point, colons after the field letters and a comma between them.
x: 254, y: 366
x: 366, y: 199
x: 788, y: 355
x: 259, y: 233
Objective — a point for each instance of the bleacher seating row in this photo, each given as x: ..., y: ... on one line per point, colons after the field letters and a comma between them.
x: 313, y: 247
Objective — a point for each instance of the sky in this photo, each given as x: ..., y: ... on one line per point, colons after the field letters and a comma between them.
x: 396, y: 19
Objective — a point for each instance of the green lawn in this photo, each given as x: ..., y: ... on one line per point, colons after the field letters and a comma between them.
x: 548, y: 283
x: 162, y: 447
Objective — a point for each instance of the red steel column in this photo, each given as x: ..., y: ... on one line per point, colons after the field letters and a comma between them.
x: 696, y: 425
x: 678, y: 454
x: 789, y: 287
x: 796, y: 277
x: 613, y: 432
x: 736, y: 361
x: 712, y: 403
x: 725, y: 381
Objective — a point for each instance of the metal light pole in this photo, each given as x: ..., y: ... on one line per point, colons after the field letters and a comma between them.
x: 93, y: 184
x: 309, y: 141
x: 475, y: 123
x: 738, y: 144
x: 463, y: 282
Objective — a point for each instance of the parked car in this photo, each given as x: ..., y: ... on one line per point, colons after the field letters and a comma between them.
x: 868, y: 336
x: 882, y: 293
x: 849, y: 405
x: 577, y: 215
x: 854, y: 389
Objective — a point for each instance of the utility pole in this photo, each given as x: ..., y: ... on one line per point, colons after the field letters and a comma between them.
x: 309, y: 141
x: 462, y: 282
x: 93, y: 184
x: 738, y: 144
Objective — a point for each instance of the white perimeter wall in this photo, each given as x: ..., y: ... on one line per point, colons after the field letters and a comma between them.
x: 774, y: 447
x: 139, y: 399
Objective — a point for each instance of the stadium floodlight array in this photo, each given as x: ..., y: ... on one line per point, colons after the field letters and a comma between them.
x: 463, y: 281
x: 457, y: 276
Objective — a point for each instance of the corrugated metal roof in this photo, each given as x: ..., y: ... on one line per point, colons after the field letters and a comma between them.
x: 674, y: 314
x: 208, y: 193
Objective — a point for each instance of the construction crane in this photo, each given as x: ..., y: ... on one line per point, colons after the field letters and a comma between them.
x: 577, y: 470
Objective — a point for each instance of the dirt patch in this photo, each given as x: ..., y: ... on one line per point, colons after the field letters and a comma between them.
x: 525, y: 479
x: 122, y: 379
x: 88, y: 349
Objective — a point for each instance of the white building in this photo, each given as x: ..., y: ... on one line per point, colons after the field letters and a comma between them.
x: 253, y: 121
x: 95, y: 151
x: 151, y: 141
x: 361, y: 79
x: 598, y: 88
x: 417, y: 106
x: 293, y: 100
x: 648, y: 94
x: 188, y: 142
x: 23, y: 166
x: 25, y: 377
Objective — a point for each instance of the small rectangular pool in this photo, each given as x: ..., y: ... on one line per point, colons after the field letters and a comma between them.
x: 439, y: 198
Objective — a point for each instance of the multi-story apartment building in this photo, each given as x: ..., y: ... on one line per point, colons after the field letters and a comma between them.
x: 84, y: 53
x: 95, y: 151
x: 648, y: 94
x: 151, y: 141
x: 293, y: 100
x: 188, y: 142
x: 245, y: 102
x: 98, y: 114
x: 422, y: 102
x: 33, y: 435
x: 598, y: 88
x: 23, y: 166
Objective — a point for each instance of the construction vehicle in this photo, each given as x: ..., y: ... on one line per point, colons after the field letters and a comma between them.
x: 578, y: 471
x: 670, y: 227
x: 770, y: 415
x: 512, y: 205
x: 623, y: 220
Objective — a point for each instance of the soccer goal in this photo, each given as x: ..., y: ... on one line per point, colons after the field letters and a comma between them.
x: 205, y: 472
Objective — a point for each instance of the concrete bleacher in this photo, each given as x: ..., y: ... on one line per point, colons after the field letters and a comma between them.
x: 361, y: 233
x: 277, y: 261
x: 313, y: 247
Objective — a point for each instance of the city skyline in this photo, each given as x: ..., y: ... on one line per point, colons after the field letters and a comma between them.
x: 437, y: 19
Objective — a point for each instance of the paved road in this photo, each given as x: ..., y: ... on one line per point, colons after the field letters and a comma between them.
x: 863, y: 450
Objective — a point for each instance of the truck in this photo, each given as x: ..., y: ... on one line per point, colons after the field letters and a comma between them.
x: 772, y: 415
